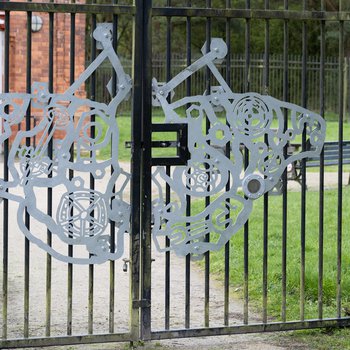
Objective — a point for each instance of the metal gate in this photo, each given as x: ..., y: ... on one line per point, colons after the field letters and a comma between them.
x: 219, y: 153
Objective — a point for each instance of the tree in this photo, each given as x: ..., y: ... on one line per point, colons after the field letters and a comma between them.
x: 238, y: 26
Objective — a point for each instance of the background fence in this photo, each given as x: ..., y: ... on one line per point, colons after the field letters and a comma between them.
x: 178, y: 63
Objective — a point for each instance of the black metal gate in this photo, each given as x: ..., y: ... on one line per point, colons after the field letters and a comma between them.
x: 158, y: 18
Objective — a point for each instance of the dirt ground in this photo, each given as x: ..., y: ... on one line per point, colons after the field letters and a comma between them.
x: 101, y: 297
x: 101, y: 280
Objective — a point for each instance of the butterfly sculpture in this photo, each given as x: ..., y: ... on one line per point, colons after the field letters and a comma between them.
x: 82, y: 214
x: 241, y: 121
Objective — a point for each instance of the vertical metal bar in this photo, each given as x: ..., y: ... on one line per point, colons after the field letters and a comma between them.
x: 303, y: 171
x: 136, y: 170
x: 27, y: 218
x: 71, y: 175
x: 266, y: 195
x: 284, y: 177
x: 246, y: 162
x: 207, y: 199
x: 146, y: 40
x: 321, y: 187
x: 167, y: 189
x: 6, y: 177
x: 227, y: 152
x: 112, y: 223
x: 92, y: 179
x: 167, y: 262
x: 112, y: 276
x: 188, y: 198
x: 340, y: 164
x: 49, y: 190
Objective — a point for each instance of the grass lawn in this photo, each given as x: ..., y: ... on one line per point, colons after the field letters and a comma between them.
x: 293, y: 254
x: 255, y: 282
x: 324, y: 339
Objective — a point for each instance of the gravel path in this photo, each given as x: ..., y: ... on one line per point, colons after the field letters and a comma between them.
x: 59, y: 302
x: 101, y: 296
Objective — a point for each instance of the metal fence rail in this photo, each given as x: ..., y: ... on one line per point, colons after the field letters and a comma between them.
x: 236, y: 70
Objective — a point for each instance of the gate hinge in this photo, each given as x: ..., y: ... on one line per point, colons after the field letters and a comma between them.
x: 137, y: 304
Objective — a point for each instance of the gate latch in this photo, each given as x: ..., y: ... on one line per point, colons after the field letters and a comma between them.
x: 180, y: 144
x: 137, y: 304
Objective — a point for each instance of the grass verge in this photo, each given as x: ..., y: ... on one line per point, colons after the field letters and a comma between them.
x: 293, y: 276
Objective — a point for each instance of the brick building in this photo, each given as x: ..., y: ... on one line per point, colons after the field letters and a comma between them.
x: 40, y: 51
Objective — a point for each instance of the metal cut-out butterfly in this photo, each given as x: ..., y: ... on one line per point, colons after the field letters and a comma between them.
x: 241, y: 121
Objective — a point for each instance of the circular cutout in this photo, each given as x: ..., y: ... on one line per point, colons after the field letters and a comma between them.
x: 253, y: 186
x: 251, y: 115
x: 82, y: 214
x: 202, y: 177
x: 60, y: 117
x: 86, y: 134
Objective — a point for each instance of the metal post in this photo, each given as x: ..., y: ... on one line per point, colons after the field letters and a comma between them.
x: 140, y: 247
x: 146, y: 163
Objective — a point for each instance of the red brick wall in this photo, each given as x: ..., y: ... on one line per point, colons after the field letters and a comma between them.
x: 40, y: 51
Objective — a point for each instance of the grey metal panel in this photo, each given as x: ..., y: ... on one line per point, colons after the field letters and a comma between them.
x: 250, y: 117
x: 83, y: 214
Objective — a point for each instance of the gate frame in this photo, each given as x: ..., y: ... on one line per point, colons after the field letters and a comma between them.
x: 141, y: 164
x: 246, y: 14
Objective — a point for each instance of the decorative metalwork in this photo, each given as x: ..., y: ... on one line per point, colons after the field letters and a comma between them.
x: 83, y: 213
x: 249, y: 118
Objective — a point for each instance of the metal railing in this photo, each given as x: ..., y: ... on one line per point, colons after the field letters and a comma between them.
x: 252, y: 73
x: 237, y: 67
